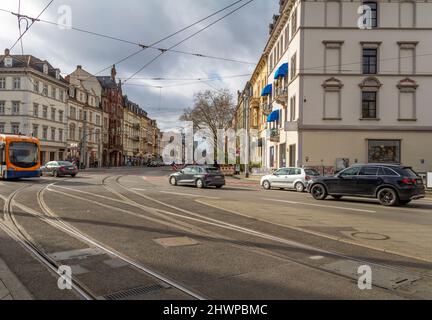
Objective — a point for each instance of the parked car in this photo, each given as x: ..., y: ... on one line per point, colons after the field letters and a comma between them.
x: 390, y: 184
x: 199, y: 176
x: 290, y: 178
x: 60, y: 169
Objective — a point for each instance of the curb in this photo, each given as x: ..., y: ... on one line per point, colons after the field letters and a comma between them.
x: 10, y: 287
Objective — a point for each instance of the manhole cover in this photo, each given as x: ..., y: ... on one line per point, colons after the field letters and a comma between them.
x: 370, y: 236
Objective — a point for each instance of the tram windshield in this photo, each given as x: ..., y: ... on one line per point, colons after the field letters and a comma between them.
x: 23, y: 154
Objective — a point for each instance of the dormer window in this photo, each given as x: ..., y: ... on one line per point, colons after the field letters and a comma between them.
x: 8, y: 62
x: 45, y: 69
x: 57, y: 74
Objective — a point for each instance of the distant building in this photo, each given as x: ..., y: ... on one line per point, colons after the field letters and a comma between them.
x: 85, y: 118
x: 134, y: 148
x: 33, y: 102
x: 112, y: 105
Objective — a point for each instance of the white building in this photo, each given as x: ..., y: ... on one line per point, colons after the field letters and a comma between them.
x: 85, y: 118
x: 33, y: 101
x: 353, y: 95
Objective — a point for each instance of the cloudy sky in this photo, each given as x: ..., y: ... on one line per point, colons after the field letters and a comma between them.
x: 241, y: 36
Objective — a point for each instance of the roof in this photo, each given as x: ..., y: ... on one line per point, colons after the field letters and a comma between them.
x: 107, y: 82
x: 29, y: 61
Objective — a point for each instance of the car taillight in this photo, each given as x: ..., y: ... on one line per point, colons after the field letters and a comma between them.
x: 409, y: 181
x: 62, y: 169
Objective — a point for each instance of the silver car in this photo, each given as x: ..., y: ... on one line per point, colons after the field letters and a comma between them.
x: 289, y: 178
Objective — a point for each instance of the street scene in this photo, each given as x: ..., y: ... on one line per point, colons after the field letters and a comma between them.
x: 242, y: 150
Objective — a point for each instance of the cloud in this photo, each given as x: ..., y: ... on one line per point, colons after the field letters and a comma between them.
x: 241, y: 36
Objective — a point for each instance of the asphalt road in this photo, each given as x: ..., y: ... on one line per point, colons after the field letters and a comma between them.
x: 128, y: 234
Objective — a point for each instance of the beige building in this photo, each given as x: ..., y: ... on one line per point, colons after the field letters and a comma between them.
x: 133, y: 133
x: 350, y: 95
x: 85, y: 119
x: 33, y: 102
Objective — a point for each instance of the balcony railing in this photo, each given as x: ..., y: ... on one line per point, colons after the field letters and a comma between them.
x: 281, y: 95
x: 274, y: 135
x: 266, y: 109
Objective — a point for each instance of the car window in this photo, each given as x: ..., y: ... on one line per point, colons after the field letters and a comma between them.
x: 387, y: 172
x: 196, y: 170
x: 312, y: 172
x: 281, y: 172
x: 369, y: 171
x: 350, y: 172
x: 295, y: 172
x: 65, y: 163
x: 212, y: 170
x: 187, y: 170
x: 409, y: 173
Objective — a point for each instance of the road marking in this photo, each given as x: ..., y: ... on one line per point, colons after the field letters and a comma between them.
x: 316, y: 257
x: 139, y: 189
x: 321, y: 206
x: 188, y: 195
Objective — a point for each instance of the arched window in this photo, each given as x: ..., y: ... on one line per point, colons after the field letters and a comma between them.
x: 332, y: 109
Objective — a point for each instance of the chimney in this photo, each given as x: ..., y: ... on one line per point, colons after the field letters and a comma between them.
x: 113, y: 73
x: 7, y: 52
x: 79, y: 67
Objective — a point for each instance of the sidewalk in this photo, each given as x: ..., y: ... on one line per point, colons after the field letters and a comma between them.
x: 10, y: 287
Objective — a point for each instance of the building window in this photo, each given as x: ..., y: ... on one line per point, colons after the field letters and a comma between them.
x: 15, y: 128
x: 17, y: 83
x: 8, y: 62
x: 45, y: 133
x: 332, y: 99
x: 98, y: 120
x: 97, y: 136
x: 53, y: 134
x: 332, y: 56
x: 384, y: 151
x: 53, y: 92
x: 293, y: 66
x: 61, y: 135
x: 61, y: 116
x: 35, y: 110
x: 45, y: 90
x: 35, y: 130
x: 369, y: 105
x: 293, y: 116
x: 407, y: 100
x: 2, y: 83
x: 370, y: 60
x: 61, y: 93
x: 36, y: 86
x: 374, y: 12
x: 333, y: 13
x: 45, y: 112
x: 15, y: 107
x: 407, y: 57
x: 294, y: 22
x: 407, y: 14
x: 53, y: 114
x: 80, y: 133
x: 286, y: 37
x: 72, y: 131
x: 2, y: 107
x: 2, y: 128
x: 72, y: 114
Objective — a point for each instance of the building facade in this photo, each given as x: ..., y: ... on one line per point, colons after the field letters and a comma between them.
x: 33, y: 102
x: 112, y: 106
x: 85, y: 119
x: 349, y: 94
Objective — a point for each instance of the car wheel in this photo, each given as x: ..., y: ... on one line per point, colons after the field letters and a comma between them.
x: 337, y: 197
x: 199, y: 184
x: 173, y: 181
x: 219, y: 187
x: 266, y: 185
x: 299, y: 187
x: 319, y: 192
x: 388, y: 197
x: 73, y: 175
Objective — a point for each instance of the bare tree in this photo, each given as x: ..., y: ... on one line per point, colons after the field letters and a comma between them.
x: 212, y: 110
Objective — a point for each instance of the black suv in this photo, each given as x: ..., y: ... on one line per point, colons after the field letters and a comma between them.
x: 199, y: 176
x: 390, y: 184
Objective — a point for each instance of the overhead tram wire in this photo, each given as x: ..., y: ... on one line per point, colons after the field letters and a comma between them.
x: 33, y: 21
x: 189, y: 37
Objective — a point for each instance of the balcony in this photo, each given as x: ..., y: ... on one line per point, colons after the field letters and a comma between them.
x: 255, y: 102
x: 267, y: 108
x: 275, y: 135
x: 136, y: 126
x: 281, y: 95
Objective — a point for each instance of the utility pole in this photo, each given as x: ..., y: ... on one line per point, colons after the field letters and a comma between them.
x: 247, y: 97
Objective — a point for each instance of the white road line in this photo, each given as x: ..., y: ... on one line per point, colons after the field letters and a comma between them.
x: 187, y: 194
x: 316, y: 258
x: 139, y: 189
x: 321, y: 206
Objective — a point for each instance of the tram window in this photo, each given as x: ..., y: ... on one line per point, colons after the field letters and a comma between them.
x: 2, y: 155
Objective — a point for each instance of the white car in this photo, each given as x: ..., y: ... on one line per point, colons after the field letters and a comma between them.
x: 289, y: 178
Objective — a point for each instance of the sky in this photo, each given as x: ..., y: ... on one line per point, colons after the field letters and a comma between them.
x: 241, y: 36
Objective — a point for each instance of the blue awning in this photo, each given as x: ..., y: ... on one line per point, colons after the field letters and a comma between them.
x: 282, y: 71
x: 267, y: 90
x: 274, y: 116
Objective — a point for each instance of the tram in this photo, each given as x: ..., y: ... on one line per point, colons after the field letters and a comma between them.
x: 19, y: 157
